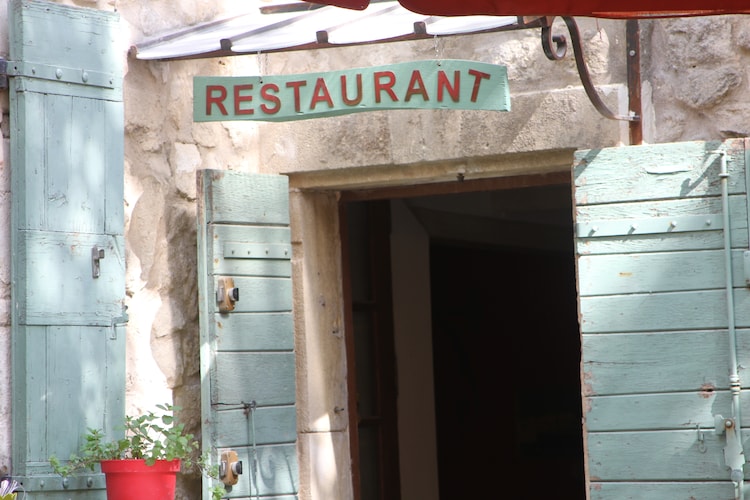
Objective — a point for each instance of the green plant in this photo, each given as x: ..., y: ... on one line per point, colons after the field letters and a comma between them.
x: 150, y: 437
x: 212, y: 471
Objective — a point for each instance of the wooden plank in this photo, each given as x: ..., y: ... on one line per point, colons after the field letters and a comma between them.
x: 704, y: 240
x: 266, y: 234
x: 114, y: 153
x: 36, y: 28
x: 684, y: 410
x: 234, y: 427
x: 718, y: 490
x: 254, y: 332
x: 71, y: 357
x: 660, y: 207
x: 114, y: 394
x: 267, y: 378
x: 75, y: 185
x: 656, y: 272
x: 701, y: 240
x: 635, y: 273
x: 662, y: 311
x: 678, y: 170
x: 29, y: 211
x: 254, y: 267
x: 258, y: 199
x: 260, y: 295
x: 655, y: 456
x: 55, y: 268
x: 225, y: 236
x: 30, y: 378
x: 659, y: 362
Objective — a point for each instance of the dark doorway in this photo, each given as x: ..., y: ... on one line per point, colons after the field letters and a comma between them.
x: 507, y: 392
x: 505, y: 341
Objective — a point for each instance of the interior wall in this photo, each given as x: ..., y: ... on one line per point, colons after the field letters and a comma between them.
x: 485, y: 312
x: 410, y: 278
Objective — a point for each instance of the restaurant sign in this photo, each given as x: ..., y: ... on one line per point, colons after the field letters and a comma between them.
x: 439, y: 84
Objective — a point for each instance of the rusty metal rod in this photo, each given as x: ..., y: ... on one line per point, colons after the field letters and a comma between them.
x: 633, y: 49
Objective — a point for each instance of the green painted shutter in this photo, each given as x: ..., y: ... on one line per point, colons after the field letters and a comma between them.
x: 247, y: 354
x: 68, y: 338
x: 655, y: 315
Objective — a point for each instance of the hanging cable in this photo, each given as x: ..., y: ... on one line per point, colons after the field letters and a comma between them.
x: 250, y: 414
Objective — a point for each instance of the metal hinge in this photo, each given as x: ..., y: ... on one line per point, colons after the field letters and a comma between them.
x: 80, y: 76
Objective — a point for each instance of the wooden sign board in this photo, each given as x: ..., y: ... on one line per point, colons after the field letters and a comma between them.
x: 438, y: 84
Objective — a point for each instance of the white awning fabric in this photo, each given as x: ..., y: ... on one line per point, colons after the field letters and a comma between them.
x: 300, y: 25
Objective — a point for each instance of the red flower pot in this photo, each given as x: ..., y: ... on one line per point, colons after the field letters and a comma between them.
x: 132, y: 479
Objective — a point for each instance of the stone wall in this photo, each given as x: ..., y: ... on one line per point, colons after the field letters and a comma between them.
x: 696, y: 71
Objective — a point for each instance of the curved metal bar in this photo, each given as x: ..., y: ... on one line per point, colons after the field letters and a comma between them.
x: 583, y: 71
x: 561, y: 44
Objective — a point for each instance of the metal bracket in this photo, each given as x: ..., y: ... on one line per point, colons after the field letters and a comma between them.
x: 559, y: 51
x: 650, y: 225
x: 81, y: 76
x: 734, y: 456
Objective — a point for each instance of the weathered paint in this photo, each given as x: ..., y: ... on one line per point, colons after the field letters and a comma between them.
x: 247, y: 355
x: 653, y: 315
x: 68, y: 326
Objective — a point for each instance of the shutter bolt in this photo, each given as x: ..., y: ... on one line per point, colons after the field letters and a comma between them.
x: 58, y: 73
x: 85, y: 76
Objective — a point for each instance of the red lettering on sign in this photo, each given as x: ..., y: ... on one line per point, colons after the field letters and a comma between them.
x: 296, y: 85
x: 478, y: 77
x: 321, y: 94
x: 416, y: 86
x: 239, y: 98
x: 216, y: 99
x: 265, y: 93
x: 386, y: 86
x: 444, y: 84
x: 345, y: 97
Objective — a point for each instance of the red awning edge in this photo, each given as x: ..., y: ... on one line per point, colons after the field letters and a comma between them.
x: 631, y: 9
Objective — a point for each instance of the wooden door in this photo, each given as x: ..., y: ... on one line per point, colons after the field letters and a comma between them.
x: 658, y: 314
x: 68, y: 268
x: 247, y: 353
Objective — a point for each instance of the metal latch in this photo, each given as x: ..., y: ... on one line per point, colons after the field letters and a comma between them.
x: 734, y: 456
x: 97, y: 254
x: 226, y: 294
x: 230, y: 468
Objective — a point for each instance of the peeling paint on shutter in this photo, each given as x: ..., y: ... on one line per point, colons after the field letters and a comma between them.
x: 247, y: 354
x: 655, y: 317
x: 68, y: 337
